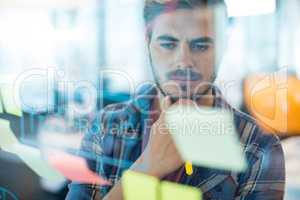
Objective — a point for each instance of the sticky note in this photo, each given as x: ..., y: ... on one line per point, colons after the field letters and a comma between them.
x: 206, y: 136
x: 173, y: 191
x: 139, y: 186
x: 1, y: 109
x: 60, y: 140
x: 30, y: 155
x: 7, y: 138
x: 9, y: 100
x: 74, y: 168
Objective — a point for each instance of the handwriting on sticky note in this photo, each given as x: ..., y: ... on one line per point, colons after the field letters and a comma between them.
x: 206, y: 137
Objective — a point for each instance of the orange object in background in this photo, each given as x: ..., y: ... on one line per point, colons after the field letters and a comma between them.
x: 274, y: 100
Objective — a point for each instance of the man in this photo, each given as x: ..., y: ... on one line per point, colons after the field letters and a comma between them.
x: 182, y: 41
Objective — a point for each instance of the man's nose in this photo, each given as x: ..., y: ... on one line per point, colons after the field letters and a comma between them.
x: 184, y: 59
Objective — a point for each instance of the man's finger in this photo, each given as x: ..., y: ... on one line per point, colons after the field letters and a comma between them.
x: 165, y: 103
x: 185, y: 102
x: 160, y: 1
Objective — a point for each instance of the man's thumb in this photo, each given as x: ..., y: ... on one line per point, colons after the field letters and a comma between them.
x: 165, y: 103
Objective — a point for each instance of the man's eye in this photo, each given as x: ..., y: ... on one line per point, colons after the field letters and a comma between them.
x: 200, y: 47
x: 168, y: 45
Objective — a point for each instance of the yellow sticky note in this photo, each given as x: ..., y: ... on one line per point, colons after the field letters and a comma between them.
x: 206, y: 137
x: 30, y: 155
x: 137, y: 186
x: 173, y: 191
x: 9, y: 100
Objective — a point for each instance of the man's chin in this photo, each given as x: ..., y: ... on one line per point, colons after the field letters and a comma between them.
x: 182, y: 90
x: 185, y: 94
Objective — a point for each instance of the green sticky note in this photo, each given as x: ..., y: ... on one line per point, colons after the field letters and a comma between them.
x: 10, y: 101
x: 1, y: 109
x: 137, y: 186
x: 30, y: 155
x: 7, y: 137
x: 206, y: 136
x: 173, y: 191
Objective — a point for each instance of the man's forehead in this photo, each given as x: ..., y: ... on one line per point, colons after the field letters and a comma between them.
x: 185, y: 22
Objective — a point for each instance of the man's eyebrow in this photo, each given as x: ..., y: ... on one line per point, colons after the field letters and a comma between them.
x: 167, y: 38
x: 203, y: 40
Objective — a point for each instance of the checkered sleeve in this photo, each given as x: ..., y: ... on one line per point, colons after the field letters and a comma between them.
x: 265, y: 177
x: 92, y: 151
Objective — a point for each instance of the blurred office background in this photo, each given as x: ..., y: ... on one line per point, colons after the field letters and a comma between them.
x: 73, y: 41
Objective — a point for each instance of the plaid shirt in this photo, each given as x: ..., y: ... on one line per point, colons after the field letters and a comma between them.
x: 120, y: 132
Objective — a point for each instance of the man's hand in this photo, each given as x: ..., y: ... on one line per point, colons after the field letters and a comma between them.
x: 160, y: 157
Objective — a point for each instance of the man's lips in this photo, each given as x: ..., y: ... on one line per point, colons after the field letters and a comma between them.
x: 184, y: 75
x: 180, y: 78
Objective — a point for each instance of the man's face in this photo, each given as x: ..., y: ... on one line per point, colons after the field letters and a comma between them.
x: 182, y: 51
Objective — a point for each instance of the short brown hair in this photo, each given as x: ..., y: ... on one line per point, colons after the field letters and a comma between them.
x: 153, y: 8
